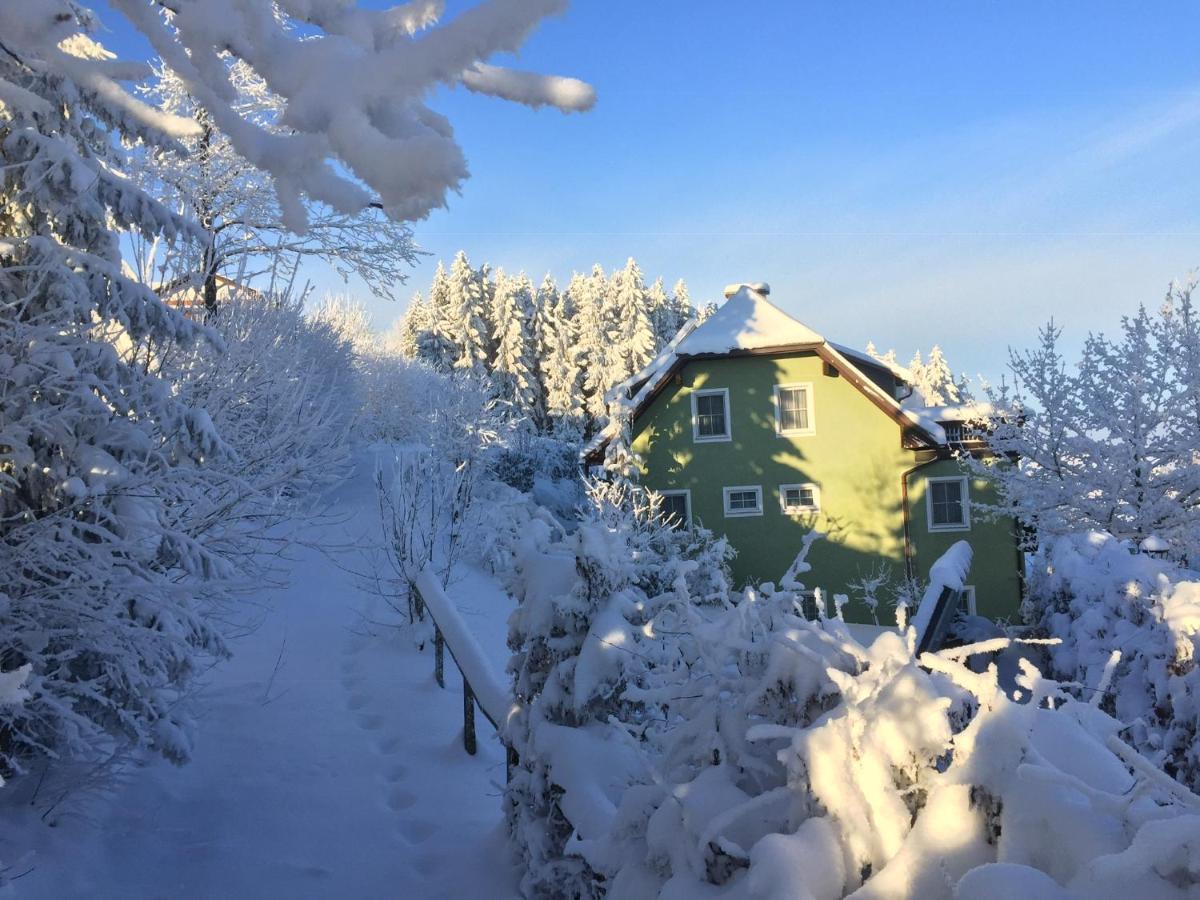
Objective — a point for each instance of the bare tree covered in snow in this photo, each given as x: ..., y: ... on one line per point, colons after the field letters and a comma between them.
x: 236, y: 206
x: 1112, y: 444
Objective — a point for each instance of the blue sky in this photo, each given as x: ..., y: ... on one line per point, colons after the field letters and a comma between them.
x: 908, y: 173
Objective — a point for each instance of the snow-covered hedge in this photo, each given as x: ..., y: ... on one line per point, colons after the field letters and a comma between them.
x: 1131, y: 623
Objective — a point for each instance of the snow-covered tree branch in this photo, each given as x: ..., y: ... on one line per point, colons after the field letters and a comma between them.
x: 357, y: 128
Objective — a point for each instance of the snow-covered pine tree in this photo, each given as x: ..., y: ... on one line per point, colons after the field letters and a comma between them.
x: 402, y: 337
x: 632, y: 320
x: 98, y: 458
x: 597, y: 342
x: 466, y: 312
x: 486, y: 281
x: 938, y: 385
x: 705, y: 312
x: 513, y: 368
x: 561, y: 371
x: 681, y: 303
x: 662, y: 313
x: 547, y: 307
x: 888, y: 358
x: 436, y: 343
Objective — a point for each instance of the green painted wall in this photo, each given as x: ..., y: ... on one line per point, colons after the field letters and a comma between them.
x: 996, y: 564
x: 854, y: 455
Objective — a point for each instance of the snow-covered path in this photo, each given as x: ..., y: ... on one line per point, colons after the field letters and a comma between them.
x: 347, y: 778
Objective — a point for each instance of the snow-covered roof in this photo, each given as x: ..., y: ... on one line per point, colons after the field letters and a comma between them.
x: 747, y: 321
x: 860, y: 356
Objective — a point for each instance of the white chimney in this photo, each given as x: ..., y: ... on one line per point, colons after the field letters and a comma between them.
x: 759, y: 287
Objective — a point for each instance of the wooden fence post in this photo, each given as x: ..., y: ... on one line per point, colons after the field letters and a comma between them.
x: 439, y: 657
x: 468, y: 717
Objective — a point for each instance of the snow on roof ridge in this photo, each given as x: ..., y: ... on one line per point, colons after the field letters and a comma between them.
x: 747, y: 321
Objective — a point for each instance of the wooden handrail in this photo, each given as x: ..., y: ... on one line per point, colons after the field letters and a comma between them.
x: 449, y: 630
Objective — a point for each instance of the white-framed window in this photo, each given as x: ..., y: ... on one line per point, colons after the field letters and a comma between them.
x: 947, y: 503
x: 966, y: 600
x: 743, y: 500
x: 710, y: 415
x: 799, y: 498
x: 794, y: 414
x: 676, y: 508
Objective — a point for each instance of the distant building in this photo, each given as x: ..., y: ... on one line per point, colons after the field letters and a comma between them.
x: 186, y: 295
x: 758, y: 427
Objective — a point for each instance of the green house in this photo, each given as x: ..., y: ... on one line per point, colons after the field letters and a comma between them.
x: 757, y: 427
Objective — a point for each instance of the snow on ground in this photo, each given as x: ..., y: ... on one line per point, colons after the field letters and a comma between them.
x: 342, y: 776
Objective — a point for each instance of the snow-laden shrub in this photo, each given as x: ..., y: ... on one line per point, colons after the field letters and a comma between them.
x: 409, y: 402
x: 442, y: 432
x: 585, y: 603
x: 739, y: 750
x: 283, y: 395
x: 514, y: 468
x: 1089, y: 591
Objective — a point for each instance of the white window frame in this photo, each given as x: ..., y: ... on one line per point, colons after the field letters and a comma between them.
x: 686, y: 494
x: 968, y: 594
x: 965, y: 525
x: 807, y: 386
x: 741, y: 513
x: 799, y: 510
x: 710, y: 438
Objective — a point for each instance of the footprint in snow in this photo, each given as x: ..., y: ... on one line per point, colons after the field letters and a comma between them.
x: 417, y: 831
x: 390, y: 745
x: 425, y: 865
x: 397, y: 773
x: 370, y: 721
x: 357, y: 701
x: 400, y: 799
